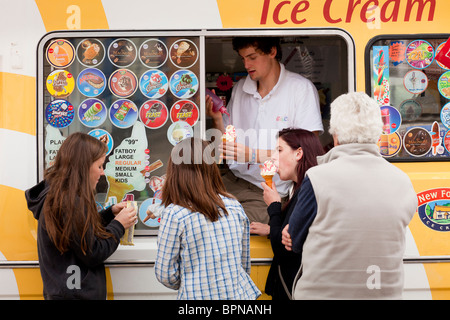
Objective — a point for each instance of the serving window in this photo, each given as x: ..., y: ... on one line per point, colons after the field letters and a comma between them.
x: 413, y: 92
x: 141, y: 92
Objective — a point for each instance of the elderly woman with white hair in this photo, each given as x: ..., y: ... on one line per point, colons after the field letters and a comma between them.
x: 352, y: 212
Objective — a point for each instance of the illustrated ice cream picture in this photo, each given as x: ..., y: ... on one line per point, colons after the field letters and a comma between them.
x: 124, y: 170
x: 268, y: 170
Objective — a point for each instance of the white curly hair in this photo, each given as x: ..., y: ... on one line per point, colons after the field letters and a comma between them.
x: 355, y: 118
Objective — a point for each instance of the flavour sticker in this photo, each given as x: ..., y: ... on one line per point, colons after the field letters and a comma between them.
x: 444, y: 85
x: 150, y: 205
x: 60, y: 53
x: 381, y: 74
x: 123, y: 83
x: 417, y: 142
x: 397, y: 52
x: 123, y: 113
x: 91, y: 82
x: 438, y: 49
x: 447, y: 141
x: 59, y: 113
x: 153, y: 84
x: 391, y: 119
x: 60, y: 83
x: 184, y: 110
x: 153, y: 114
x: 122, y: 53
x: 419, y: 54
x: 410, y: 110
x: 183, y: 84
x: 92, y: 113
x: 90, y: 52
x: 183, y: 53
x: 389, y: 144
x: 104, y: 136
x: 153, y: 53
x: 178, y: 131
x: 415, y: 81
x: 445, y: 115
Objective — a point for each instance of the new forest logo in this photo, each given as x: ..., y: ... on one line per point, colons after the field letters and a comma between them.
x: 434, y: 208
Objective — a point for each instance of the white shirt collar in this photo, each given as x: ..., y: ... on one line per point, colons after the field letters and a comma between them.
x: 250, y: 86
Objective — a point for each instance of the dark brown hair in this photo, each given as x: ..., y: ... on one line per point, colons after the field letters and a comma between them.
x: 311, y: 146
x: 264, y: 44
x: 193, y: 179
x: 69, y: 209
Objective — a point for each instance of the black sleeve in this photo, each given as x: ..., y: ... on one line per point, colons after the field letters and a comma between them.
x: 303, y: 215
x: 99, y: 249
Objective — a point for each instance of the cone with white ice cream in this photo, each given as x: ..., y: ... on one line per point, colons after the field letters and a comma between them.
x: 268, y: 170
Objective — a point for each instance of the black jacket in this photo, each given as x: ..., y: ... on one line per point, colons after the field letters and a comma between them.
x: 72, y: 275
x: 288, y: 261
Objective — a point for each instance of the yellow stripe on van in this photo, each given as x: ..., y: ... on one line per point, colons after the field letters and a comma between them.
x: 18, y: 102
x: 17, y: 226
x: 72, y: 15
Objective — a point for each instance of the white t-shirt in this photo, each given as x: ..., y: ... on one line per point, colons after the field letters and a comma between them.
x: 293, y: 102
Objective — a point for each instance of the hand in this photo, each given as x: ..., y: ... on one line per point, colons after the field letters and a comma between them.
x: 286, y: 238
x: 270, y: 194
x: 118, y: 207
x: 259, y: 228
x: 234, y: 151
x: 127, y: 217
x: 217, y: 115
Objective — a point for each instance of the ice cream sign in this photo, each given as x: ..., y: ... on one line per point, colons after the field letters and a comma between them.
x: 126, y: 166
x: 434, y: 208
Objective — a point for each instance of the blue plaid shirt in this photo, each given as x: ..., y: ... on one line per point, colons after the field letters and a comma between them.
x: 203, y: 259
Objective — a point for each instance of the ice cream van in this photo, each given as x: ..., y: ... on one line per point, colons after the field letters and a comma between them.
x: 113, y: 70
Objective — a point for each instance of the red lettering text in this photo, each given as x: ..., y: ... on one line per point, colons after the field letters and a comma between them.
x: 420, y: 8
x: 280, y: 11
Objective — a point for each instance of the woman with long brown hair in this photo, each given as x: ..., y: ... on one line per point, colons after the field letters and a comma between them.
x: 204, y: 238
x: 74, y: 239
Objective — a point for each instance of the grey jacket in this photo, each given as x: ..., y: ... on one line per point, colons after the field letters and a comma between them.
x: 355, y: 245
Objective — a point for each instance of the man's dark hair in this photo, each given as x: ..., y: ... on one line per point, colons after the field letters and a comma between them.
x: 265, y: 44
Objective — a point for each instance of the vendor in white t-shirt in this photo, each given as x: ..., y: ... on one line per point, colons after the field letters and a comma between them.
x: 269, y: 99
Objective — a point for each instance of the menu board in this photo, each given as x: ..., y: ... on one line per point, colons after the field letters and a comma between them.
x: 413, y: 92
x: 137, y: 94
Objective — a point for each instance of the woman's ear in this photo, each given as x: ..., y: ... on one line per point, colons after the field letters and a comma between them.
x: 299, y: 154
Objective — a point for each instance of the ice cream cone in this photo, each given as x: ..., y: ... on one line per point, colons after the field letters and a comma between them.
x: 268, y: 180
x: 117, y: 189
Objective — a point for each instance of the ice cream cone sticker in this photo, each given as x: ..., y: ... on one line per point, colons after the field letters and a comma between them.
x: 268, y: 170
x: 124, y: 169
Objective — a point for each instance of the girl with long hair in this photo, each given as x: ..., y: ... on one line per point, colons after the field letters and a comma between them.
x: 74, y: 239
x: 204, y: 239
x: 296, y: 151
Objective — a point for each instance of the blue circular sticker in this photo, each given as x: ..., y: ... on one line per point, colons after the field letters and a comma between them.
x: 153, y: 84
x: 445, y: 115
x: 152, y: 205
x: 92, y: 112
x: 91, y: 82
x: 104, y: 137
x: 59, y: 113
x: 183, y: 84
x: 123, y: 113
